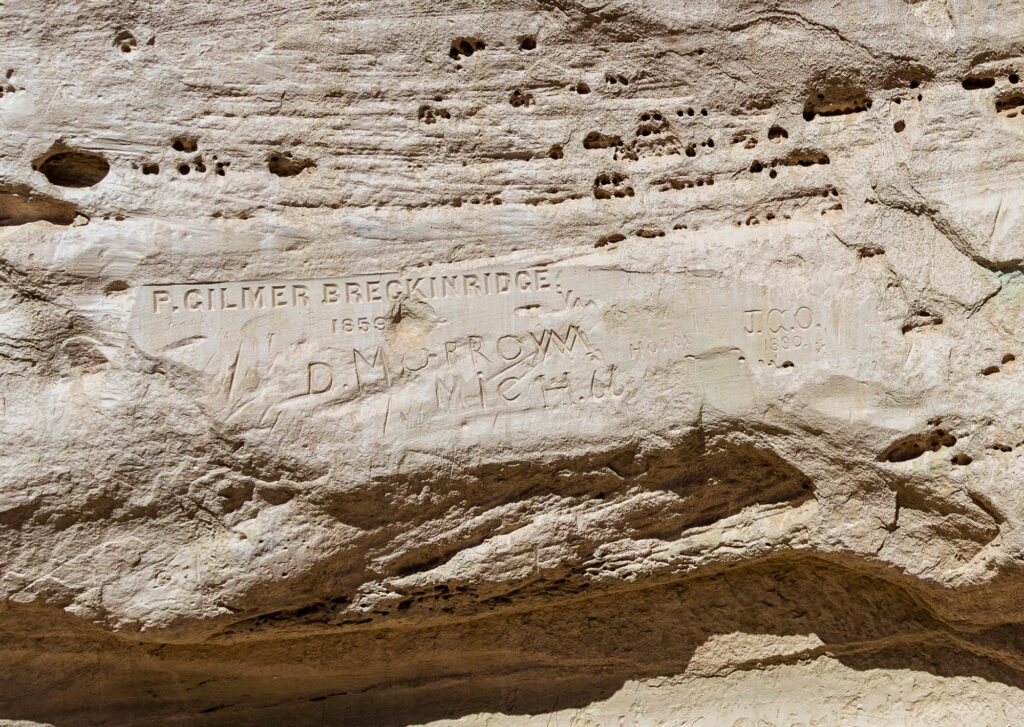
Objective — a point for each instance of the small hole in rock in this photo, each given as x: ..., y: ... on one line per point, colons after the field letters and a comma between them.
x: 961, y: 460
x: 899, y: 126
x: 150, y: 168
x: 184, y: 169
x: 528, y: 43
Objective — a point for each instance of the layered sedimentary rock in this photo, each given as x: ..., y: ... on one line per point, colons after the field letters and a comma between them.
x: 615, y: 363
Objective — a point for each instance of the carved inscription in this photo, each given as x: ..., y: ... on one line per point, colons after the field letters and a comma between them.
x: 418, y: 350
x: 384, y: 288
x: 783, y: 331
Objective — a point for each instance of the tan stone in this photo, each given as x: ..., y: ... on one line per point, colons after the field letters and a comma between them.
x: 511, y: 363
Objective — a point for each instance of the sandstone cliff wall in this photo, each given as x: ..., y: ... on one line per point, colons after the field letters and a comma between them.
x: 613, y: 363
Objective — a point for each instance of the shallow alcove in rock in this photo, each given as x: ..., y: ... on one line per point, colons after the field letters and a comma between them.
x: 283, y: 165
x: 71, y: 167
x: 21, y: 205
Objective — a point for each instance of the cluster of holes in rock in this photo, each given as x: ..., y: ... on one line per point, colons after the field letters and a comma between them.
x: 465, y: 47
x: 913, y: 447
x: 519, y: 98
x: 795, y: 159
x: 6, y: 86
x: 597, y: 140
x: 900, y: 124
x: 920, y: 319
x: 486, y: 199
x: 836, y: 103
x: 1010, y: 104
x: 284, y: 165
x: 611, y: 184
x: 559, y: 196
x: 649, y: 233
x: 754, y: 220
x: 651, y: 122
x: 1007, y: 360
x: 429, y: 114
x: 687, y: 183
x: 691, y: 148
x: 189, y: 145
x: 749, y: 142
x: 828, y: 193
x: 609, y: 239
x: 124, y: 40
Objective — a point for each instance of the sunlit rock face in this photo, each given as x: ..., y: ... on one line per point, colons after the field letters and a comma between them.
x: 511, y: 363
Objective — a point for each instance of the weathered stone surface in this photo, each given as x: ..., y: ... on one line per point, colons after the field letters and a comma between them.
x: 618, y: 363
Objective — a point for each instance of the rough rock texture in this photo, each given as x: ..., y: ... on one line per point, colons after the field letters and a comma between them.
x: 607, y: 363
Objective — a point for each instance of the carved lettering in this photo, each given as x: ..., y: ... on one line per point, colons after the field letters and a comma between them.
x: 160, y: 297
x: 378, y: 360
x: 319, y: 377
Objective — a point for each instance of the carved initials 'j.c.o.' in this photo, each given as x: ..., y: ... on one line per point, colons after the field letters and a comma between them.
x: 778, y: 319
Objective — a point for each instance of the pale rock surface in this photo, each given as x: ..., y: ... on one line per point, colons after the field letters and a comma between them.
x: 559, y: 362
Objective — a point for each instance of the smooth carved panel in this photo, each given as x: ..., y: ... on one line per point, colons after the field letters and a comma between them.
x: 409, y: 351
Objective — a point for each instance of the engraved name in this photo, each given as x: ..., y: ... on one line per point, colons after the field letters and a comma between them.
x: 384, y: 288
